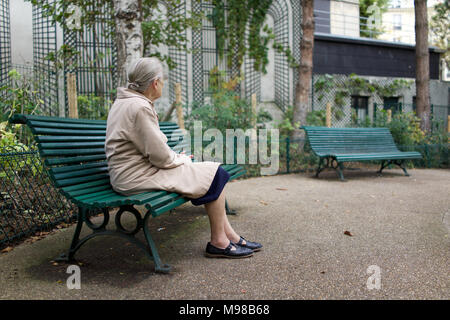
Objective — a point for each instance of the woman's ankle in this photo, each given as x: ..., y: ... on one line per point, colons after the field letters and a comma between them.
x: 220, y: 243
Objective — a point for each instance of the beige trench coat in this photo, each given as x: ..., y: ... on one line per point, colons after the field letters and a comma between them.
x: 139, y: 158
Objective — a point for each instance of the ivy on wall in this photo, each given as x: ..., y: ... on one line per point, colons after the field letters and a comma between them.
x: 354, y: 85
x: 231, y: 18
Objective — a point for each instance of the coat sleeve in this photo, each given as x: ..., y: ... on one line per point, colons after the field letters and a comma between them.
x: 149, y: 140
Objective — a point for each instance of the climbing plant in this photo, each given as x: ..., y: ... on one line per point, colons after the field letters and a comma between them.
x: 157, y: 29
x: 231, y: 19
x: 329, y: 85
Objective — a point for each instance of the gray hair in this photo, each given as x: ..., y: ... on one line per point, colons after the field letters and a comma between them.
x: 142, y: 72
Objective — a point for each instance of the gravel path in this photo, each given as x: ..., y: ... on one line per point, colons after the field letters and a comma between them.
x: 398, y: 224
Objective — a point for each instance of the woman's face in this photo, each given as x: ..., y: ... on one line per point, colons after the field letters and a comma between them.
x: 154, y: 90
x: 159, y: 87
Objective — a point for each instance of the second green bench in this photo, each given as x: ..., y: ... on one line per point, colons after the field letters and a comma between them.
x: 334, y: 146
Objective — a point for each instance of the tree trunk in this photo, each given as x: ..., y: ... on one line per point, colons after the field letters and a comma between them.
x: 422, y: 65
x: 303, y: 86
x: 129, y: 39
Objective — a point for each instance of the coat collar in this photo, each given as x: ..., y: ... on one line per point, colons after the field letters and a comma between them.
x: 125, y: 93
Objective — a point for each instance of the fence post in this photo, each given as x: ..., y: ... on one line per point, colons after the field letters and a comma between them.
x: 448, y: 124
x: 178, y: 105
x: 329, y: 115
x: 254, y: 116
x: 72, y: 95
x: 288, y: 157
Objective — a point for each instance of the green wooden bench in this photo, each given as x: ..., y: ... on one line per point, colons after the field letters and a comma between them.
x: 334, y: 146
x: 74, y: 156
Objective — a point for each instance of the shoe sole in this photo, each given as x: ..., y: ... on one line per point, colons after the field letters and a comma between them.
x: 209, y: 255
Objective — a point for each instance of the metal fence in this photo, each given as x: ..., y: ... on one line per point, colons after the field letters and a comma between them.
x: 5, y: 43
x: 28, y: 201
x: 358, y: 100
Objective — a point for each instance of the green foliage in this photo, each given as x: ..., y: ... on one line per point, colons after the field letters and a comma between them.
x: 439, y: 26
x: 9, y: 137
x: 364, y: 13
x: 327, y: 85
x: 231, y: 29
x: 316, y: 118
x: 93, y: 107
x: 286, y: 126
x: 20, y: 96
x: 166, y: 28
x: 9, y: 142
x: 226, y: 109
x: 156, y: 30
x: 405, y: 129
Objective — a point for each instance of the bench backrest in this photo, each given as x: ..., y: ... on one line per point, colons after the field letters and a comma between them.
x: 350, y: 140
x: 73, y: 150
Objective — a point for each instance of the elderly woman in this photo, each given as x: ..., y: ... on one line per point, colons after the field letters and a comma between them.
x: 140, y: 160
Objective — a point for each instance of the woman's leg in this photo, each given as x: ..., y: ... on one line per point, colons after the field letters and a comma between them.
x: 221, y: 231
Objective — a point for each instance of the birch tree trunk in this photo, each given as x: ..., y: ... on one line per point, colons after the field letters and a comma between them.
x: 129, y: 39
x: 422, y: 65
x: 303, y: 86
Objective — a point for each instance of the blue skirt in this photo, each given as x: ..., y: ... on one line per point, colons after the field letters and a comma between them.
x: 217, y: 185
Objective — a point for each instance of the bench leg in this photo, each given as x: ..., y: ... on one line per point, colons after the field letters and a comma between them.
x: 401, y: 165
x: 228, y: 210
x: 340, y: 170
x: 159, y: 266
x: 385, y: 164
x: 148, y: 247
x: 319, y: 168
x: 69, y: 256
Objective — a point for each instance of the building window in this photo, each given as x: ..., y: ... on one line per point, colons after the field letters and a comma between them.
x: 361, y: 106
x: 397, y: 22
x: 396, y: 3
x: 392, y: 103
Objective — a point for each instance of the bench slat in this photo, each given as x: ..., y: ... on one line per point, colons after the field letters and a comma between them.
x: 72, y: 145
x: 67, y: 132
x: 72, y: 181
x: 74, y: 160
x: 63, y: 125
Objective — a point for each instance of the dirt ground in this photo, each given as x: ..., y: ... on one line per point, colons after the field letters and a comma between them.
x: 372, y: 237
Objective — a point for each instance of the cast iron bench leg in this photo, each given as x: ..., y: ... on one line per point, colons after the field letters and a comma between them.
x: 340, y: 171
x: 401, y: 165
x: 319, y: 168
x: 148, y: 246
x: 384, y: 165
x: 69, y: 256
x: 228, y: 210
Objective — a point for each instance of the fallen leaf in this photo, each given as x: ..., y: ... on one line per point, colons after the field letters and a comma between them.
x: 7, y: 249
x: 348, y: 233
x: 282, y: 189
x: 264, y: 203
x: 55, y: 263
x: 59, y: 281
x: 243, y: 291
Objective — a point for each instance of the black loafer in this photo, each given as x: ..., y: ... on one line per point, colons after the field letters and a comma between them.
x: 240, y: 252
x: 254, y: 246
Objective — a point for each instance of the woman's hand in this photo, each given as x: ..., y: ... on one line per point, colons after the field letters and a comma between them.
x: 184, y: 152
